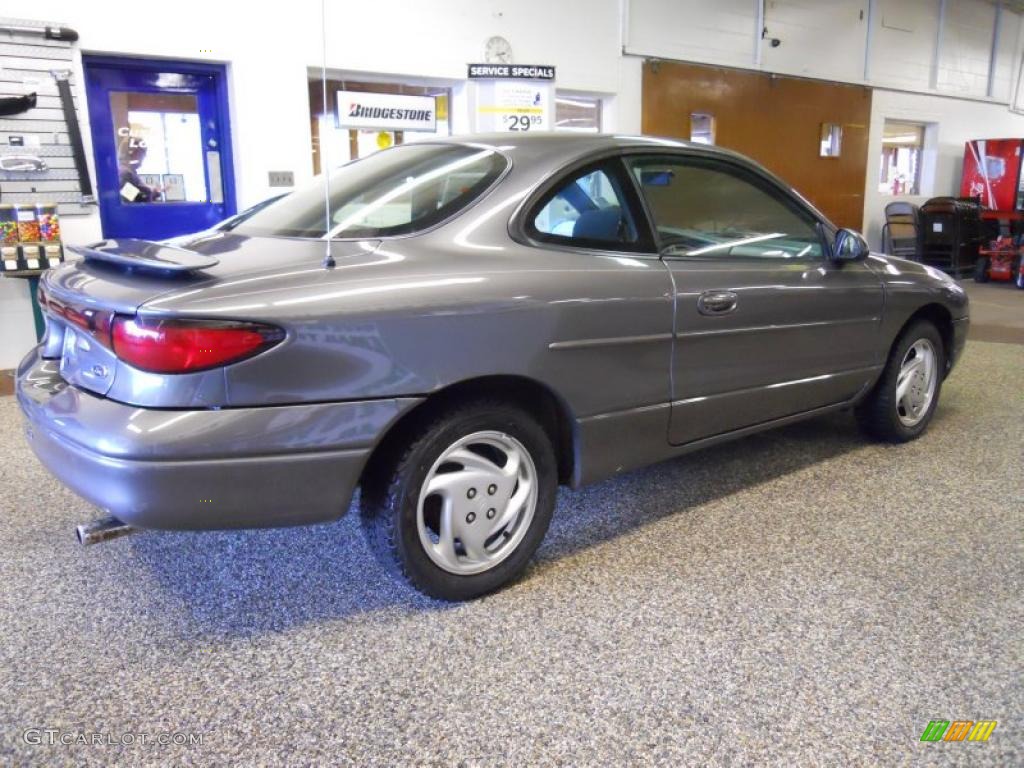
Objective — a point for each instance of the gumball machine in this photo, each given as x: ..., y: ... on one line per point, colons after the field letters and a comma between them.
x: 30, y: 243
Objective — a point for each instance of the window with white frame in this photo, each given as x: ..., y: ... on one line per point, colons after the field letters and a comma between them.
x: 702, y: 128
x: 577, y: 113
x: 902, y: 154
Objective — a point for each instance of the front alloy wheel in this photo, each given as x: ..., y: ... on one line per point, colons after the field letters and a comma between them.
x: 904, y: 398
x: 915, y: 386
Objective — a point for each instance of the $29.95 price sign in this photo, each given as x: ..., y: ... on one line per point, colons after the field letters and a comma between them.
x: 508, y: 105
x: 523, y: 122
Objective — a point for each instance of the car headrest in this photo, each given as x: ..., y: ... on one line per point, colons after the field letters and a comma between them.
x: 599, y: 224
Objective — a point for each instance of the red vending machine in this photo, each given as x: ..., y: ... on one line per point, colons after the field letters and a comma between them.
x: 992, y: 173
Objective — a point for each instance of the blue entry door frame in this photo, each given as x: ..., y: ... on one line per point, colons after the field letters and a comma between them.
x: 148, y: 205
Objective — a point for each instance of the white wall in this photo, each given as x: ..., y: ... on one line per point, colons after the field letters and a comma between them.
x: 817, y: 38
x: 891, y: 43
x: 720, y: 32
x: 966, y: 48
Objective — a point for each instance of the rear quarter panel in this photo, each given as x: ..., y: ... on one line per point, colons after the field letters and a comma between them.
x: 415, y: 314
x: 435, y: 314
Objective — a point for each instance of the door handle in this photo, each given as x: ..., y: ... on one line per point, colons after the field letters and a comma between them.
x: 716, y: 302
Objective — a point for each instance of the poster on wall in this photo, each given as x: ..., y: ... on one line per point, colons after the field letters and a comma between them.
x: 386, y: 111
x: 174, y: 186
x: 152, y: 182
x: 512, y: 97
x: 992, y: 172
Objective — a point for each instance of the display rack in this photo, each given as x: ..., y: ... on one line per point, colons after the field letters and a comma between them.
x: 37, y: 64
x: 43, y: 171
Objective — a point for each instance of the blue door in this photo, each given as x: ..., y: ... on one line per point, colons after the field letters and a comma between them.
x: 162, y: 146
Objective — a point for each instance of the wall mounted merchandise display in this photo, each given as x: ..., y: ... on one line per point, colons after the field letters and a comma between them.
x: 41, y: 155
x: 43, y: 171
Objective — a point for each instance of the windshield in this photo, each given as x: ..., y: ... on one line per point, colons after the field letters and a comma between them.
x: 401, y: 190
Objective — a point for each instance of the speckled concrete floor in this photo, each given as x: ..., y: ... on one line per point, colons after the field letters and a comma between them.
x: 997, y: 311
x: 798, y: 598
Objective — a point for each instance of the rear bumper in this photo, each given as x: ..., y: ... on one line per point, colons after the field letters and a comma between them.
x: 201, y: 469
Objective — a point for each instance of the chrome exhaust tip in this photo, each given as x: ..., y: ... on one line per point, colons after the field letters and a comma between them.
x: 103, y: 529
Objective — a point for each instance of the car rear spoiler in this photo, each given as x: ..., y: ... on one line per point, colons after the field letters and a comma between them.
x: 143, y: 254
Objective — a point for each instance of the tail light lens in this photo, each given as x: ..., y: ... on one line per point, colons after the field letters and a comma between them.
x: 94, y: 322
x: 186, y: 345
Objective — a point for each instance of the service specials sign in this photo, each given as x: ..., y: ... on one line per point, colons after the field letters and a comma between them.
x: 386, y: 111
x: 512, y: 97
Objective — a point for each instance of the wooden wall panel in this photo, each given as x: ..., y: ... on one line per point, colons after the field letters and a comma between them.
x: 773, y: 119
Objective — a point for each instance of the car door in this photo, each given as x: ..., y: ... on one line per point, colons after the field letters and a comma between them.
x: 766, y: 324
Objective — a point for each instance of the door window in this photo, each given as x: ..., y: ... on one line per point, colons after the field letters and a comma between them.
x: 702, y: 128
x: 159, y: 147
x: 588, y: 210
x: 707, y: 209
x: 577, y: 113
x: 902, y: 146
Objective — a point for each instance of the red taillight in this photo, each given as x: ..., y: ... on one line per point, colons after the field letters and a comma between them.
x: 184, y: 346
x: 95, y: 322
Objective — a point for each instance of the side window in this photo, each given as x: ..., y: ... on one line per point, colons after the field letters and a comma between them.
x: 709, y: 210
x: 589, y: 209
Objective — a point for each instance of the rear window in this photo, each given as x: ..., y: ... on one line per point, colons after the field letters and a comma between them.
x: 395, y: 192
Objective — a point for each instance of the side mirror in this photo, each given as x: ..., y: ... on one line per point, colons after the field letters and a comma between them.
x: 849, y: 246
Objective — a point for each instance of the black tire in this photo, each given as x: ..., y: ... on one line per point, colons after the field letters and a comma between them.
x: 981, y: 269
x: 391, y: 496
x: 877, y: 414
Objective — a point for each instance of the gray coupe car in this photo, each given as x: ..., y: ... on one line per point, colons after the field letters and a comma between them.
x: 475, y: 322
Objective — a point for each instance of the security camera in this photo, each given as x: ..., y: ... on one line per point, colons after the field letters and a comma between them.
x: 776, y: 42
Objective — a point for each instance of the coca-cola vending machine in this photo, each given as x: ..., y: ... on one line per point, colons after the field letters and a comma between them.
x: 992, y: 173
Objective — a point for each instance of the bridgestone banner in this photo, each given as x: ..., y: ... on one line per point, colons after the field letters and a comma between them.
x: 386, y: 111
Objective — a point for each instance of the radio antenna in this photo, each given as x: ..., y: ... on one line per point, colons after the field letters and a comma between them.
x: 325, y: 166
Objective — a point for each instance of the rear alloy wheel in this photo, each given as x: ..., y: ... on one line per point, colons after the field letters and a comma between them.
x: 461, y: 512
x: 477, y: 503
x: 903, y: 401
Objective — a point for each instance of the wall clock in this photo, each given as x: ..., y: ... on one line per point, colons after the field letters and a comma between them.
x: 498, y: 51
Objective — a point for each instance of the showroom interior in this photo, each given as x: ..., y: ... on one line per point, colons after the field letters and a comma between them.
x: 800, y: 595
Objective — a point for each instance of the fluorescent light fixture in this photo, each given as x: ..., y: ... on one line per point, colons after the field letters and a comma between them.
x: 908, y: 138
x: 576, y: 103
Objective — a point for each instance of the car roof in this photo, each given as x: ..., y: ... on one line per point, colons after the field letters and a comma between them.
x: 544, y: 141
x: 542, y: 145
